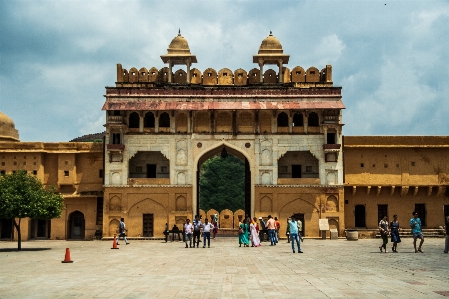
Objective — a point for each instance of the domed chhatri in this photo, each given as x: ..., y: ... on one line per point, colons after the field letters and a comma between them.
x: 179, y: 45
x: 270, y: 45
x: 8, y: 131
x: 178, y: 51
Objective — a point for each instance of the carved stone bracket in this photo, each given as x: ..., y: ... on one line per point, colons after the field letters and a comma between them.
x: 429, y: 191
x: 415, y: 191
x: 368, y: 190
x: 392, y: 190
x: 378, y: 190
x: 354, y: 190
x: 404, y: 190
x: 440, y: 190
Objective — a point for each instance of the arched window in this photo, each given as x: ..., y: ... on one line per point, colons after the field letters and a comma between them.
x: 148, y: 120
x: 282, y: 119
x: 298, y: 120
x: 164, y: 120
x: 313, y: 120
x: 134, y: 120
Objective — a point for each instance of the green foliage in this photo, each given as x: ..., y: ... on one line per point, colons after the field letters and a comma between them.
x: 222, y: 184
x: 23, y: 195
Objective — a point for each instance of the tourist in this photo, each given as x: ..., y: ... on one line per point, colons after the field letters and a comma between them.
x: 166, y: 232
x: 262, y: 229
x: 383, y: 228
x: 394, y: 231
x: 287, y: 232
x: 196, y: 231
x: 446, y: 228
x: 299, y: 229
x: 255, y: 241
x: 243, y: 234
x: 214, y: 220
x: 278, y: 227
x: 175, y: 230
x: 188, y: 227
x: 122, y: 231
x: 207, y: 228
x: 415, y: 224
x: 271, y: 227
x: 294, y: 233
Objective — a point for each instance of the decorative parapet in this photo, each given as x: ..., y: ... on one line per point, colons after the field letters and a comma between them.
x: 115, y: 147
x: 329, y: 148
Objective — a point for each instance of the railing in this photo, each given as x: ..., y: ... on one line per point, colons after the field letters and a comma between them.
x: 117, y: 119
x: 331, y: 147
x: 115, y: 147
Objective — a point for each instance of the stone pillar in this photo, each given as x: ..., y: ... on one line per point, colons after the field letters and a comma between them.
x: 212, y: 121
x: 257, y: 121
x: 325, y: 134
x: 290, y: 122
x: 306, y: 121
x: 188, y: 71
x: 170, y: 65
x: 141, y: 121
x: 261, y: 70
x: 156, y: 122
x: 189, y: 118
x: 281, y: 75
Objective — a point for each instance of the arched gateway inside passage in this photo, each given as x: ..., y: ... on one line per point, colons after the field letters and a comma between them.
x: 162, y: 124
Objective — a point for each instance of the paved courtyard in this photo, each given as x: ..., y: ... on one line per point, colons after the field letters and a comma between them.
x: 155, y: 269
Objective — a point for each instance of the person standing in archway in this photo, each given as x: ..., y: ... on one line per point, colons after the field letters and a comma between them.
x: 196, y: 231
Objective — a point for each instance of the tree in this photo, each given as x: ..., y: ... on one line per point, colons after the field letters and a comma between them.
x: 222, y: 184
x: 24, y: 196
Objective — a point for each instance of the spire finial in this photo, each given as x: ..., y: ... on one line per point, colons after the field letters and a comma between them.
x: 271, y: 33
x: 179, y: 31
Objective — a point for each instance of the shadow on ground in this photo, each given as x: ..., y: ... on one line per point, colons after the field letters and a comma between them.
x: 23, y: 249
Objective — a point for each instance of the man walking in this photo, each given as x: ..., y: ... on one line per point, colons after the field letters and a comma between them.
x: 261, y: 229
x: 188, y: 227
x: 415, y: 224
x: 293, y: 227
x: 278, y: 227
x: 207, y: 228
x: 271, y: 227
x: 122, y: 231
x: 196, y: 231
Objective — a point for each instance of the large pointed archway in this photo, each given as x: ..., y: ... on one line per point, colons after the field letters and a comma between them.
x: 224, y: 150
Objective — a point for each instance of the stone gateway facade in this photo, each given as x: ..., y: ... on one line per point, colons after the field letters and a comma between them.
x: 284, y: 124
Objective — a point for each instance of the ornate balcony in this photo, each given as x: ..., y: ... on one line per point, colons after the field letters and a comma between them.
x: 115, y: 147
x: 329, y: 148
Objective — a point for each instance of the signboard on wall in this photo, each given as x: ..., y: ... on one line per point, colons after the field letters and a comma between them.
x: 324, y: 224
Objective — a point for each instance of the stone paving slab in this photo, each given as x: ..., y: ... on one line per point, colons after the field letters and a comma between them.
x: 155, y: 269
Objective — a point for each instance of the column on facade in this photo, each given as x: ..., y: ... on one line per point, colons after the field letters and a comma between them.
x: 172, y: 122
x: 280, y: 77
x: 170, y: 66
x: 261, y: 71
x: 188, y: 71
x: 141, y: 121
x: 234, y: 122
x: 306, y: 121
x: 274, y: 122
x: 212, y: 121
x: 325, y: 134
x: 257, y: 122
x: 156, y: 122
x: 290, y: 121
x: 189, y: 124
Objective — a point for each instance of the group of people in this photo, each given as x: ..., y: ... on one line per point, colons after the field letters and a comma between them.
x: 249, y: 230
x: 197, y: 228
x: 392, y: 229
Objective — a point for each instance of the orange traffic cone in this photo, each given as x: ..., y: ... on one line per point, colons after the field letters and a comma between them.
x: 67, y: 256
x: 114, y: 243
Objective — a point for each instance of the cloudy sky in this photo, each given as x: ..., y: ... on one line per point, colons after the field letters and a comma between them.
x: 390, y: 57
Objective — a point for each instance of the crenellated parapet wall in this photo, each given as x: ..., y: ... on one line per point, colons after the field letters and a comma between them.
x: 297, y: 77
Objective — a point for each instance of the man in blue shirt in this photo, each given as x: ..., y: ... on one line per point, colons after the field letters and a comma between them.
x: 293, y: 226
x: 415, y: 224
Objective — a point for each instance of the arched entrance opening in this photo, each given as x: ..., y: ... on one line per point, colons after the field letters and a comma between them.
x: 223, y: 184
x: 76, y: 226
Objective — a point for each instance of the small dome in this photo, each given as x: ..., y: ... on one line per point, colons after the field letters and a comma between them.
x: 179, y: 45
x: 8, y: 131
x: 270, y: 45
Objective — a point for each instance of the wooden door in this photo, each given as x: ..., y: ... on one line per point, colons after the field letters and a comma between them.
x: 147, y: 225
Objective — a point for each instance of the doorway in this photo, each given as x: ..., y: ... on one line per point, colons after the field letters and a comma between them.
x: 148, y: 221
x: 299, y: 216
x: 76, y: 226
x: 421, y: 209
x: 6, y: 229
x: 40, y: 229
x: 359, y: 214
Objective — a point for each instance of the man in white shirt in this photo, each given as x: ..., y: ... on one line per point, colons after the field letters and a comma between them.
x: 188, y: 227
x: 207, y: 228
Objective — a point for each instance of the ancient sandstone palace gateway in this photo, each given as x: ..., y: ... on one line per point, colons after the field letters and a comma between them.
x: 161, y: 125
